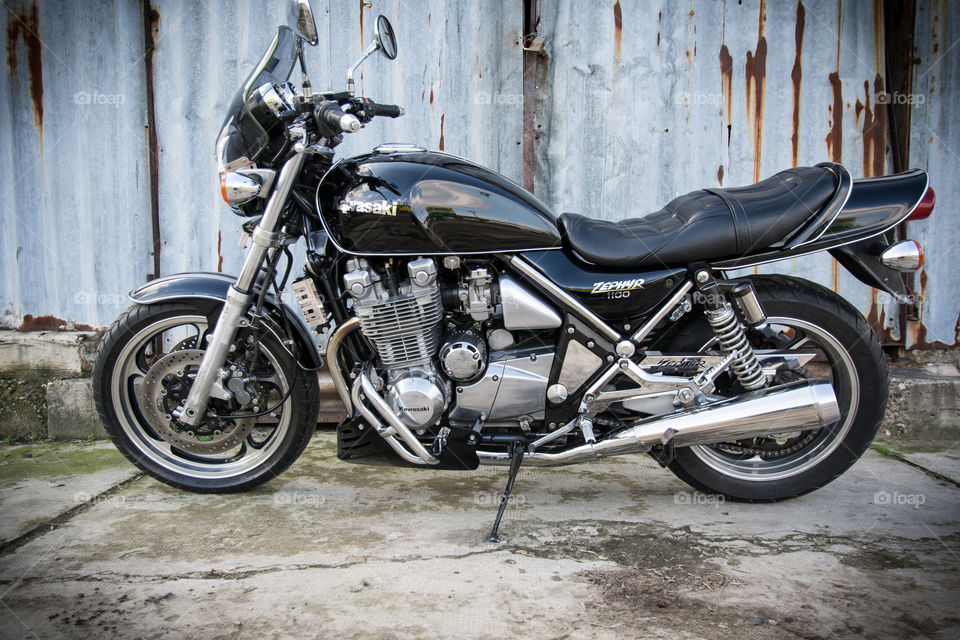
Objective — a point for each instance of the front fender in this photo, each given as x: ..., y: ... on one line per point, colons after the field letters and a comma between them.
x: 214, y: 287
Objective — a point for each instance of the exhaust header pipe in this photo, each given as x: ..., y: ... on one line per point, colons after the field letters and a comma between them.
x: 801, y: 405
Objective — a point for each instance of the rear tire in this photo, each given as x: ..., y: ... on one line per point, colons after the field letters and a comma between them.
x: 124, y: 421
x: 862, y: 399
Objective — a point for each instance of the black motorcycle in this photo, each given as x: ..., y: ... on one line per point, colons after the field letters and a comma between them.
x: 467, y: 324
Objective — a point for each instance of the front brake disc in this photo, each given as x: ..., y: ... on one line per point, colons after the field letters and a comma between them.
x: 165, y: 387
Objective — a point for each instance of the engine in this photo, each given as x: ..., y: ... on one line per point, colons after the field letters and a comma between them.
x: 446, y: 343
x: 403, y: 322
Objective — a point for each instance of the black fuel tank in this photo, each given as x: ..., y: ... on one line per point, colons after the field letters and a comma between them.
x: 425, y: 202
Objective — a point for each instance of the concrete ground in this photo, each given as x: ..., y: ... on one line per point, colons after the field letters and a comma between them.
x: 610, y: 550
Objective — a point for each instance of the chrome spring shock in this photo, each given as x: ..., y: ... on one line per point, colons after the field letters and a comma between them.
x: 731, y: 338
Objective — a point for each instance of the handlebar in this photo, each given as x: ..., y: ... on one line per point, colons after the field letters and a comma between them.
x: 385, y: 110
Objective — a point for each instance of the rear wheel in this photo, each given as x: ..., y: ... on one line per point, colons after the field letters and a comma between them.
x: 808, y: 318
x: 145, y: 366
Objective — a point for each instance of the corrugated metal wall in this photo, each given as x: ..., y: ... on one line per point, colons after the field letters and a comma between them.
x: 935, y: 145
x: 646, y: 100
x: 74, y: 206
x: 636, y: 102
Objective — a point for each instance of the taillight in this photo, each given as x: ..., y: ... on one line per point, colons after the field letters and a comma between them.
x: 925, y: 207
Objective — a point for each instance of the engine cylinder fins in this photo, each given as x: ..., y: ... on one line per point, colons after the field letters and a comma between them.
x: 464, y: 357
x: 403, y: 328
x: 731, y: 338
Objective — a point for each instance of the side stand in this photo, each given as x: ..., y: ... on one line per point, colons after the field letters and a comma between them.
x: 516, y: 458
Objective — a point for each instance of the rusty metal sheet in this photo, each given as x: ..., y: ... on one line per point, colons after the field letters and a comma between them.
x: 73, y: 200
x: 935, y: 146
x: 643, y: 101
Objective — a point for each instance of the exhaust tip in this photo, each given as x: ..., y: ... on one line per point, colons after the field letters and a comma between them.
x: 825, y: 400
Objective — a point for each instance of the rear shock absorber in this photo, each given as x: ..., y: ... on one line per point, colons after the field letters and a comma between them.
x: 732, y: 337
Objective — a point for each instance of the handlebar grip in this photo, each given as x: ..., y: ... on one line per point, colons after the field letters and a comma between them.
x: 387, y: 110
x: 329, y: 116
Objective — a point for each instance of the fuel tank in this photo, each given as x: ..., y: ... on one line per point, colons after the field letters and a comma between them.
x: 420, y: 202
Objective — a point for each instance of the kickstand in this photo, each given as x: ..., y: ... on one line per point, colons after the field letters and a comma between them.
x: 516, y: 457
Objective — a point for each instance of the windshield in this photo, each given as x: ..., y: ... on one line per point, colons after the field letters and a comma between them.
x: 245, y: 135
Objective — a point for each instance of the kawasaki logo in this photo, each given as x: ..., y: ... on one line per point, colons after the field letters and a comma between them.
x: 409, y: 409
x: 618, y: 285
x: 378, y: 207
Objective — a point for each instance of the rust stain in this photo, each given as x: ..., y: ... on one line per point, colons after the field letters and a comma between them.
x: 877, y: 318
x: 835, y: 274
x: 878, y: 34
x: 151, y: 36
x: 835, y: 137
x: 756, y: 76
x: 431, y: 96
x: 363, y: 5
x: 219, y: 251
x: 917, y: 330
x: 796, y: 75
x: 50, y: 323
x: 726, y: 83
x: 442, y: 116
x: 720, y: 175
x: 26, y: 25
x: 659, y: 22
x: 617, y: 33
x: 874, y: 131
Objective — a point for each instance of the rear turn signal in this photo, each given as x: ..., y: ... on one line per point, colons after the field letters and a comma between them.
x: 925, y: 207
x: 906, y: 255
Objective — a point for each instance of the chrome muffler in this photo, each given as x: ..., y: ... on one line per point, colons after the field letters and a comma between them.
x: 797, y: 406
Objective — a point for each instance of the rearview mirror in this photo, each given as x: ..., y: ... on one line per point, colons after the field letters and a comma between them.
x: 302, y: 22
x: 386, y: 41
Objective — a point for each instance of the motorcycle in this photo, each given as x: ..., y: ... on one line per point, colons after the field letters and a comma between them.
x: 468, y: 324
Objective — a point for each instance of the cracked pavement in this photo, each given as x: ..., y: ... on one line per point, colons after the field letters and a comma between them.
x: 612, y: 549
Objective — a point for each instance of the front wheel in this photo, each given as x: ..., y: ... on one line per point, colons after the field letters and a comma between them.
x: 145, y: 366
x: 805, y: 317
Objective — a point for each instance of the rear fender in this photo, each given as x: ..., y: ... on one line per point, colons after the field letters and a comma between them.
x: 213, y: 287
x: 862, y: 259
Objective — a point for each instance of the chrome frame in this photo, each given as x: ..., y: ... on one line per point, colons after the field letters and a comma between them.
x: 662, y: 313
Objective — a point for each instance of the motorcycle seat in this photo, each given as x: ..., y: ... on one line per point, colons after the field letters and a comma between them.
x: 705, y: 224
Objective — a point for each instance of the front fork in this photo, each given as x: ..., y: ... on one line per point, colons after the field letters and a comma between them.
x: 239, y: 296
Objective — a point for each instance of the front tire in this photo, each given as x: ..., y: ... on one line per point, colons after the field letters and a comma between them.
x: 144, y: 335
x: 857, y: 367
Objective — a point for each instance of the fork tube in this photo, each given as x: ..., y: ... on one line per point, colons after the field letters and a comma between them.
x: 239, y: 296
